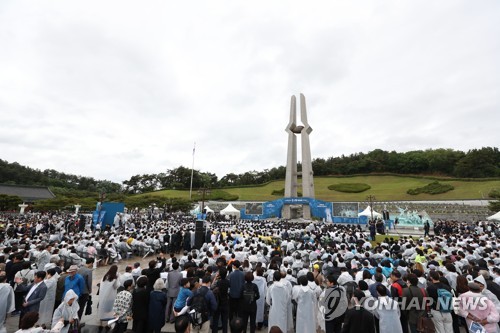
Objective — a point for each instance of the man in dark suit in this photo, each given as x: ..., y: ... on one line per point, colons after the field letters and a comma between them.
x: 36, y: 293
x: 358, y: 319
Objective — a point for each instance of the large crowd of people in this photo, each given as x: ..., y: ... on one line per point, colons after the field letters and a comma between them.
x: 247, y: 275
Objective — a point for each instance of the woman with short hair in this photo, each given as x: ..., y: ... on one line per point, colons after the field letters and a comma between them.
x: 157, y: 306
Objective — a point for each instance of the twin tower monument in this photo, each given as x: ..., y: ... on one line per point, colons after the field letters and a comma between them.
x: 292, y: 174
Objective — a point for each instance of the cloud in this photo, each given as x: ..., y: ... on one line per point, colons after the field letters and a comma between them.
x: 112, y: 89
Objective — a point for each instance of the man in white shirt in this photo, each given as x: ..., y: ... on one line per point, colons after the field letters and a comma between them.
x: 36, y: 293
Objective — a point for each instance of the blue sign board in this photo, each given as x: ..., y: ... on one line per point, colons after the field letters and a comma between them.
x: 107, y: 213
x: 319, y: 209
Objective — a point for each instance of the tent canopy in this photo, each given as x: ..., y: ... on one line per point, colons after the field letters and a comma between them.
x: 494, y: 217
x: 368, y: 212
x: 195, y: 211
x: 208, y: 209
x: 230, y: 210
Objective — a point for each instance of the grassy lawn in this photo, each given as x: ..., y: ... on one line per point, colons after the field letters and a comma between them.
x: 384, y: 188
x: 381, y: 238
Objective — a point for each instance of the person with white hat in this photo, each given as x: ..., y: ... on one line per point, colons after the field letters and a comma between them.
x: 74, y: 281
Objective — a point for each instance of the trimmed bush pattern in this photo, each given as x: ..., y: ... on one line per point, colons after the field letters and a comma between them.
x: 432, y: 188
x: 350, y: 187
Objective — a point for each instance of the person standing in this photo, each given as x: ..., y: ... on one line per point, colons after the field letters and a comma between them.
x: 220, y: 287
x: 60, y: 287
x: 210, y: 304
x: 36, y: 293
x: 7, y: 303
x: 14, y: 266
x: 278, y: 297
x: 358, y: 319
x: 86, y: 273
x: 485, y: 314
x: 261, y: 283
x: 122, y: 307
x: 74, y: 281
x: 414, y: 298
x: 22, y: 279
x: 236, y: 282
x: 442, y: 319
x: 47, y: 304
x: 152, y: 272
x: 397, y: 288
x: 427, y: 228
x: 67, y: 311
x: 248, y: 302
x: 387, y: 310
x: 107, y: 294
x: 173, y: 281
x: 44, y: 257
x: 334, y: 296
x: 140, y: 306
x: 157, y: 306
x: 306, y: 303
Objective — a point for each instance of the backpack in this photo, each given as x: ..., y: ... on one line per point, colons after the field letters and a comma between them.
x: 221, y: 292
x: 248, y: 294
x: 445, y: 301
x: 198, y: 310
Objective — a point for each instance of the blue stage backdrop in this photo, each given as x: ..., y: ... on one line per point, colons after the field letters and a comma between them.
x: 108, y: 213
x: 319, y: 209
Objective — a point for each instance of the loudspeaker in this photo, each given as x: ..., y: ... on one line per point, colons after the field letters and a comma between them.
x: 200, y: 225
x: 199, y: 239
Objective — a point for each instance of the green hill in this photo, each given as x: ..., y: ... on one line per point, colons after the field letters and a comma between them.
x: 383, y: 187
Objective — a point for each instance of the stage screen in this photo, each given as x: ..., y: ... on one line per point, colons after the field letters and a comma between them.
x: 254, y: 208
x: 345, y: 209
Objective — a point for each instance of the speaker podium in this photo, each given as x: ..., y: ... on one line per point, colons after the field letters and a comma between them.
x: 199, y: 234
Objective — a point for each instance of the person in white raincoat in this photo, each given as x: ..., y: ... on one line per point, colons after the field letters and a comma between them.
x: 47, y: 304
x: 278, y: 297
x: 261, y: 283
x: 387, y: 311
x: 7, y: 303
x: 288, y: 286
x: 107, y: 293
x: 306, y: 304
x: 67, y: 310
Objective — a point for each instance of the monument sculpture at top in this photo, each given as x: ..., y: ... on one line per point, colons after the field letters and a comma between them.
x: 291, y: 179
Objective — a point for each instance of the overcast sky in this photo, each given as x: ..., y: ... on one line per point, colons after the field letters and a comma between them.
x: 111, y: 89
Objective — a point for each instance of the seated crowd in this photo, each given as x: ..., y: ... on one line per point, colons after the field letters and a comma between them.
x: 247, y: 275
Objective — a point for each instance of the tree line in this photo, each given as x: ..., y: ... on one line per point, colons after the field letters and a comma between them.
x: 475, y: 163
x: 16, y: 174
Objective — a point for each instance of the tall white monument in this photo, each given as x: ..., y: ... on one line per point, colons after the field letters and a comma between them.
x: 291, y: 179
x: 22, y: 207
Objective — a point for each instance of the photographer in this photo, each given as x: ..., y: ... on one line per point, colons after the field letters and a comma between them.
x: 153, y: 273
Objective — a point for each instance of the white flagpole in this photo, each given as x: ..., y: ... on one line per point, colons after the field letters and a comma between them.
x: 192, y: 171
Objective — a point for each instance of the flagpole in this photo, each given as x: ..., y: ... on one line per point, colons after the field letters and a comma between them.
x: 192, y: 171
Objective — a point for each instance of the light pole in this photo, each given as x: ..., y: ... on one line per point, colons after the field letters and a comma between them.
x: 203, y: 191
x: 370, y: 199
